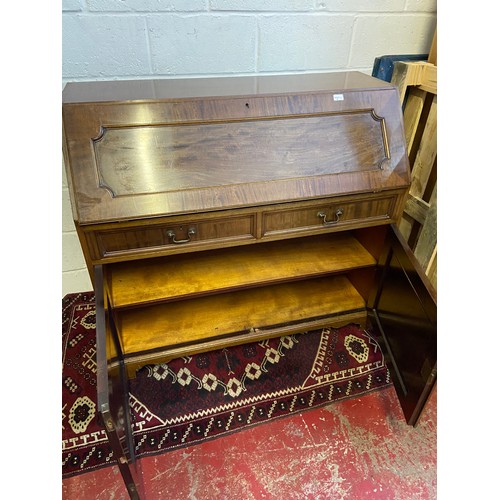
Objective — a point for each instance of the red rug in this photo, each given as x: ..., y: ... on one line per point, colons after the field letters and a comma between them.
x: 202, y: 397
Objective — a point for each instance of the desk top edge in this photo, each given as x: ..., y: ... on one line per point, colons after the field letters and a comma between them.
x: 227, y: 86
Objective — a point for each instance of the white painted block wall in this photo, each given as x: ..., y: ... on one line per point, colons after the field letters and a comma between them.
x: 132, y: 39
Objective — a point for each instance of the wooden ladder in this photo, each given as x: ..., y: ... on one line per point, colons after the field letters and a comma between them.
x: 417, y: 84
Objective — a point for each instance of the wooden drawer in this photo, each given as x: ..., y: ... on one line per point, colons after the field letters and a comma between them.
x: 348, y: 213
x: 172, y: 237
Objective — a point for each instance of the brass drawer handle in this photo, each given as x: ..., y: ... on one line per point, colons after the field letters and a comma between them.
x: 338, y: 213
x: 171, y: 236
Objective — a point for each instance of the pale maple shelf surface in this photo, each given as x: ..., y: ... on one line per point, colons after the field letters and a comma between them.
x: 176, y: 323
x: 185, y: 275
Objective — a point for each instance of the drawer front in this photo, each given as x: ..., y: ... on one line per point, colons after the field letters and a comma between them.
x: 173, y: 237
x: 320, y: 217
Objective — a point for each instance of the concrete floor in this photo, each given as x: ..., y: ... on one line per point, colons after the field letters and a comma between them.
x: 356, y: 449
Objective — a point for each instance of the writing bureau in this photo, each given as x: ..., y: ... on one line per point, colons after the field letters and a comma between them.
x: 219, y: 211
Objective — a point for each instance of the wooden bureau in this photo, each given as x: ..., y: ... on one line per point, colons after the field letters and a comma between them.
x: 219, y: 211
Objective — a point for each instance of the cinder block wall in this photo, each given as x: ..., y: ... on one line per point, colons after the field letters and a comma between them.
x: 132, y: 39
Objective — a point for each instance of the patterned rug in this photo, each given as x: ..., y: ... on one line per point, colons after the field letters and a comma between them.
x: 202, y: 397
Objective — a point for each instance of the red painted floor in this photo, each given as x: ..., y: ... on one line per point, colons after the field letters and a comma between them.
x: 356, y: 449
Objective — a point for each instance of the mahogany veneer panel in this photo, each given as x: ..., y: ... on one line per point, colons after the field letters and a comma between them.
x: 175, y: 155
x: 211, y: 272
x: 168, y: 158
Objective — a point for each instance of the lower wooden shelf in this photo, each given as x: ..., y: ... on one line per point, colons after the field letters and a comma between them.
x: 148, y: 334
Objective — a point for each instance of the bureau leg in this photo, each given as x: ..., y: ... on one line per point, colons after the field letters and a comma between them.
x: 112, y: 391
x: 119, y: 383
x: 129, y: 472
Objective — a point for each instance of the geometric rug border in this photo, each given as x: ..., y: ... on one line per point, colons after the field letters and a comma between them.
x: 201, y: 428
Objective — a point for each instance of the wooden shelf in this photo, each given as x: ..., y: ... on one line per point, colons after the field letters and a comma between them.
x: 189, y: 275
x: 214, y: 316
